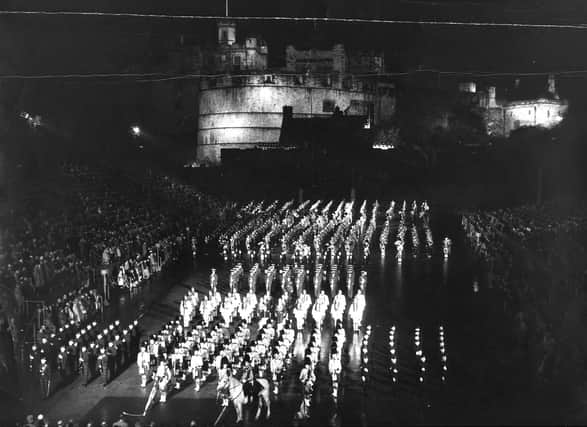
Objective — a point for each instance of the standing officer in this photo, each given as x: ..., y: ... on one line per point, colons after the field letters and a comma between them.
x: 72, y: 358
x: 111, y: 362
x: 62, y: 365
x: 84, y: 364
x: 45, y: 376
x: 118, y: 357
x: 127, y: 346
x: 135, y: 333
x: 103, y: 366
x: 92, y: 362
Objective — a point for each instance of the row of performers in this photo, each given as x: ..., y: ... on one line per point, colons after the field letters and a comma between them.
x: 91, y: 354
x: 312, y: 353
x: 183, y: 347
x: 176, y: 354
x: 72, y: 338
x: 337, y: 309
x: 233, y: 304
x: 178, y: 341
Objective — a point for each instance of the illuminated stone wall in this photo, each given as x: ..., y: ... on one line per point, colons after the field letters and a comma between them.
x: 248, y: 112
x: 542, y: 112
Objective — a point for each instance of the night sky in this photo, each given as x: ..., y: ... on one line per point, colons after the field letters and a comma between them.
x: 47, y: 44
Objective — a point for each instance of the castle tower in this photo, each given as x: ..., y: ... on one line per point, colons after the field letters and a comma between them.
x: 226, y: 32
x: 491, y: 97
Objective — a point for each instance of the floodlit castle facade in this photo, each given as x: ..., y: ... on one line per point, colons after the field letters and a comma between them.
x: 243, y: 108
x: 516, y: 109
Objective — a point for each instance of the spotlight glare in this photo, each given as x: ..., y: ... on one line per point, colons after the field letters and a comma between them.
x: 136, y: 131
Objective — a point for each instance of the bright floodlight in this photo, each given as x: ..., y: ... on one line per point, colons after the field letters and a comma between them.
x: 136, y: 131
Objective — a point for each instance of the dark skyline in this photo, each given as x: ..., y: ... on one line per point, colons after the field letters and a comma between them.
x: 46, y: 44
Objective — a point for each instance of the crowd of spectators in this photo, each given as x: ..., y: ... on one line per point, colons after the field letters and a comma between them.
x: 534, y: 257
x: 55, y: 247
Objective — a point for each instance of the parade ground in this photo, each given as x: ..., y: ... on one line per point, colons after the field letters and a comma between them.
x: 426, y: 291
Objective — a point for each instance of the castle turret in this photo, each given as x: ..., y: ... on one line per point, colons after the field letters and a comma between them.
x: 491, y: 103
x: 226, y: 32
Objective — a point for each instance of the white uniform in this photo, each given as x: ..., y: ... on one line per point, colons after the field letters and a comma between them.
x: 143, y: 361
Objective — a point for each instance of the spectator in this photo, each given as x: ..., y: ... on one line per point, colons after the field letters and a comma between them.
x: 30, y: 421
x: 120, y: 423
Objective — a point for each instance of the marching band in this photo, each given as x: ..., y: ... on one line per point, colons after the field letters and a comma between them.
x: 251, y: 335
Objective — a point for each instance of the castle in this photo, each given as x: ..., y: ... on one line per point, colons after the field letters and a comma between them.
x: 243, y: 108
x: 515, y: 107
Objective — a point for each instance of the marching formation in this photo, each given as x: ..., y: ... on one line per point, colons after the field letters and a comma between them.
x: 287, y: 315
x: 290, y: 315
x: 285, y: 284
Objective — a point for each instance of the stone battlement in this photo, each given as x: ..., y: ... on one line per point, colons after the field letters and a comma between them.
x: 346, y: 82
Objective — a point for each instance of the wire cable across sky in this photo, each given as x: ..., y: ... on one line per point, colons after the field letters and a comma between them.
x: 300, y: 19
x: 162, y: 77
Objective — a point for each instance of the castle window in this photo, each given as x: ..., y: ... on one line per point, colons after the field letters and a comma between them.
x: 548, y: 113
x: 529, y: 112
x: 327, y: 106
x: 224, y: 36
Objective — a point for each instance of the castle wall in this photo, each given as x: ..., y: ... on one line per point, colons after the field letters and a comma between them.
x: 313, y: 60
x: 247, y: 112
x: 544, y: 113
